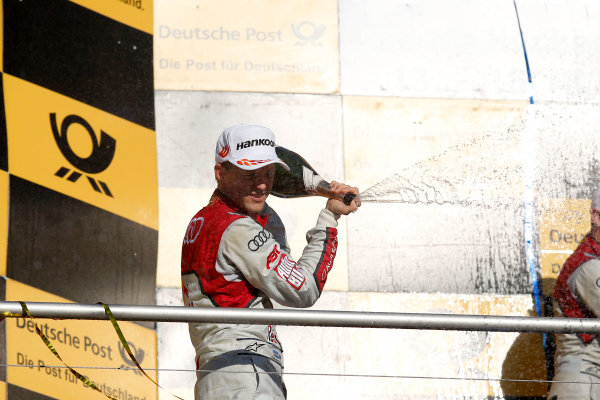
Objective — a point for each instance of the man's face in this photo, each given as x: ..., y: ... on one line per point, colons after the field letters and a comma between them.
x: 247, y: 189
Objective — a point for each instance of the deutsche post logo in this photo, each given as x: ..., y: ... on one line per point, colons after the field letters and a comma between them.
x: 103, y: 151
x: 308, y: 32
x: 137, y: 353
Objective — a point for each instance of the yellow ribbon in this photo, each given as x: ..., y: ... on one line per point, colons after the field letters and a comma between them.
x: 126, y: 346
x: 7, y: 314
x: 82, y: 378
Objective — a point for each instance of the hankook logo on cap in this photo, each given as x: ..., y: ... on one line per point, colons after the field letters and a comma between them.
x: 255, y: 142
x: 103, y: 151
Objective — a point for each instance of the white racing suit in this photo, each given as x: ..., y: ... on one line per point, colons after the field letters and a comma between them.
x: 577, y: 295
x: 232, y: 260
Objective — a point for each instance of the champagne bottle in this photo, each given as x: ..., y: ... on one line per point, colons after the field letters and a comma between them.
x: 301, y: 180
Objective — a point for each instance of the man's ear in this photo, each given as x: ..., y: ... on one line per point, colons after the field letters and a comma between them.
x: 219, y: 171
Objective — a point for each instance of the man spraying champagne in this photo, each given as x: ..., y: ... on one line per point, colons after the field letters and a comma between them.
x: 235, y: 254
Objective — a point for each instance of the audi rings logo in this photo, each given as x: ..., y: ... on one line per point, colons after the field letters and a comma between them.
x: 257, y: 241
x: 193, y: 230
x: 103, y: 151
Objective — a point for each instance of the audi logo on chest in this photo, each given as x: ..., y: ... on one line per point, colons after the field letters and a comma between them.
x: 103, y: 151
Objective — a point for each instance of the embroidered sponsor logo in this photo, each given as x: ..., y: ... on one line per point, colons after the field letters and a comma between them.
x: 245, y: 161
x: 327, y: 258
x: 288, y: 270
x: 285, y: 268
x: 273, y: 257
x: 254, y: 346
x: 193, y: 230
x: 255, y: 142
x: 224, y: 151
x: 257, y: 241
x: 329, y: 264
x: 271, y: 336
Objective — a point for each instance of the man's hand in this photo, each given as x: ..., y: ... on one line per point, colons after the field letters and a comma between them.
x: 337, y: 206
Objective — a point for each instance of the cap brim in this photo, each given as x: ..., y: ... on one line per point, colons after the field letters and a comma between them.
x: 256, y: 164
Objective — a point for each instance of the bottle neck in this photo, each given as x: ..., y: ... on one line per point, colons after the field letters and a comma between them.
x: 323, y: 188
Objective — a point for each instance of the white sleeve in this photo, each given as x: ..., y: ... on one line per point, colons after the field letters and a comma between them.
x: 269, y: 267
x: 584, y: 283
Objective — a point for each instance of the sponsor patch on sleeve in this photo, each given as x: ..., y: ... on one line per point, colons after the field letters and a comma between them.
x: 273, y: 257
x: 327, y: 257
x: 276, y: 355
x: 288, y: 270
x: 285, y: 268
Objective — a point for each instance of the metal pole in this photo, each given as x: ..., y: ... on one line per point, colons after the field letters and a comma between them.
x: 348, y: 319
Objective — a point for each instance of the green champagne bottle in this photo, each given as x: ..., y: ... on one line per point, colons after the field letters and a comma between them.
x: 301, y: 180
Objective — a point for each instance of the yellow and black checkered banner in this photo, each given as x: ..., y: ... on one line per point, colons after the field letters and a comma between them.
x: 87, y: 56
x: 3, y: 220
x: 78, y: 179
x: 3, y: 185
x: 3, y: 174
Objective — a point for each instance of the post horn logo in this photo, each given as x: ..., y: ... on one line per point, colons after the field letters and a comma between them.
x: 138, y: 353
x: 308, y: 31
x: 102, y: 155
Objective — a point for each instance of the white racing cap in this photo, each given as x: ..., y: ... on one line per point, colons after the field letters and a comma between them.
x: 248, y: 147
x: 596, y: 199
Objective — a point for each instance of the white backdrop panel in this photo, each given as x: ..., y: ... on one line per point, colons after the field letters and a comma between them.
x: 455, y: 48
x: 562, y: 39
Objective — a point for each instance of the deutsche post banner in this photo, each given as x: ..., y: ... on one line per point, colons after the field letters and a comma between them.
x: 91, y: 348
x: 78, y: 149
x: 563, y: 223
x: 266, y: 45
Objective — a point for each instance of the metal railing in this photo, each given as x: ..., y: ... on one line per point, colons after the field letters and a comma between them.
x: 350, y: 319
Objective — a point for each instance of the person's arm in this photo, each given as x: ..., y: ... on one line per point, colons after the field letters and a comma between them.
x: 584, y: 284
x: 270, y: 268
